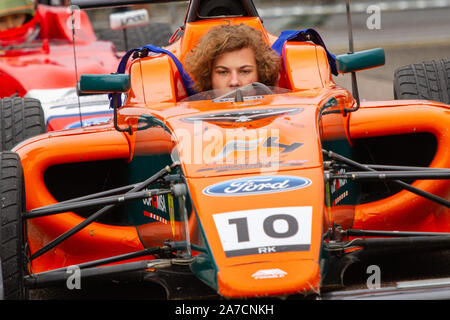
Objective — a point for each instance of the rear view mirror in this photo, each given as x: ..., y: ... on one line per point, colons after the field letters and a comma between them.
x: 361, y: 60
x: 104, y: 83
x: 115, y: 84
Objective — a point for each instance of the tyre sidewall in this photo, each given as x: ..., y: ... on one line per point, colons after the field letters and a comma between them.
x: 12, y: 229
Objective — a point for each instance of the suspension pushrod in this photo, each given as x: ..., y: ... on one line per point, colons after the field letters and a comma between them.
x: 45, y: 280
x: 412, y: 242
x: 396, y: 234
x: 388, y: 175
x: 131, y: 196
x: 87, y: 197
x: 404, y: 185
x: 405, y: 168
x: 101, y: 194
x: 99, y: 262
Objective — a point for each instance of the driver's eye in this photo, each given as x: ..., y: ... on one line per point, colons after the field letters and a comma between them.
x: 246, y: 71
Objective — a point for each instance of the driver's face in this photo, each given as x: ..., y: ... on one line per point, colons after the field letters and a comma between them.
x: 234, y: 69
x: 12, y: 21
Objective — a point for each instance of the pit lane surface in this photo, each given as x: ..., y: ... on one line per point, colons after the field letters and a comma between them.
x: 407, y: 37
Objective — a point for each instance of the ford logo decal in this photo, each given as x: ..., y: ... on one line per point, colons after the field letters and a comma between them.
x: 256, y: 185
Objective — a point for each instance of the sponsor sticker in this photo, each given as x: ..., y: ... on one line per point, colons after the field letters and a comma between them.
x: 257, y: 165
x: 127, y: 19
x: 264, y: 231
x: 243, y: 116
x: 269, y: 274
x: 155, y: 217
x: 256, y: 185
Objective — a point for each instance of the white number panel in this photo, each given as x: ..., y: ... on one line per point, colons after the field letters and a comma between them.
x: 264, y: 230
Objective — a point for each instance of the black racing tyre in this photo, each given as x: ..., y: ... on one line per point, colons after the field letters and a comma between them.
x: 20, y: 119
x: 423, y: 81
x: 157, y: 34
x: 12, y: 247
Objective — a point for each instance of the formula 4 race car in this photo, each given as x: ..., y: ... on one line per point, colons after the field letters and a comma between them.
x: 259, y: 192
x: 39, y: 74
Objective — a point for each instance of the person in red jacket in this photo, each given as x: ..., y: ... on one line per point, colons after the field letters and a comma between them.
x: 18, y: 21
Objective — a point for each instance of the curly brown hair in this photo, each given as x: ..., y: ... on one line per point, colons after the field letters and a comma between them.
x: 227, y: 38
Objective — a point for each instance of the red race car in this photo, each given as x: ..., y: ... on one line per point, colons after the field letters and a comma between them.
x: 41, y: 62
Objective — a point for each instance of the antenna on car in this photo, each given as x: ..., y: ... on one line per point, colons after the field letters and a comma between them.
x: 352, y: 50
x: 72, y: 19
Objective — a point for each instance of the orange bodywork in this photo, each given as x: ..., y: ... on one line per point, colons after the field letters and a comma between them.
x: 406, y: 211
x: 157, y: 90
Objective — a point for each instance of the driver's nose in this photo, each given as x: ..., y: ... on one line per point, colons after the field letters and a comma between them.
x: 234, y: 80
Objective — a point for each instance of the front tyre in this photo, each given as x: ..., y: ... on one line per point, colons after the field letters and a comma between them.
x: 12, y: 247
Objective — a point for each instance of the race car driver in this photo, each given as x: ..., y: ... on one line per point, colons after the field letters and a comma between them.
x: 231, y: 56
x: 18, y: 21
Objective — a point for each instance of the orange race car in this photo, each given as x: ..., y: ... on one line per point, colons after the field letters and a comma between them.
x: 258, y: 192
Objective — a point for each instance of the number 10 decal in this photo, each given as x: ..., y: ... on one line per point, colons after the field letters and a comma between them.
x: 264, y: 230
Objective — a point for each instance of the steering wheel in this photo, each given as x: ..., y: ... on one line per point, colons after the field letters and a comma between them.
x: 239, y: 93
